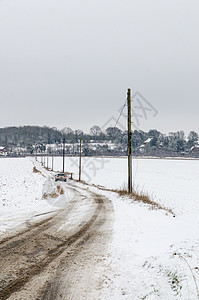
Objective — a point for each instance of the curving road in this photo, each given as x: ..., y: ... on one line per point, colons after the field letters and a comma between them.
x: 60, y: 257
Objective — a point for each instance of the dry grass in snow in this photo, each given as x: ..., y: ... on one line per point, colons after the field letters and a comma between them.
x: 35, y: 170
x: 135, y: 196
x: 54, y: 194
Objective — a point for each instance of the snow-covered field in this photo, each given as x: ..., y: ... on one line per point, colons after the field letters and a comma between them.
x: 153, y: 255
x: 173, y: 183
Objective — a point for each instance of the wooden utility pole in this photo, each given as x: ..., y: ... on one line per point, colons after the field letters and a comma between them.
x: 129, y: 143
x: 52, y: 159
x: 80, y: 159
x: 64, y: 153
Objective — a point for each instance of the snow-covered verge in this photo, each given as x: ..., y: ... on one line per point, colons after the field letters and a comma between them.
x: 153, y: 255
x: 21, y: 192
x: 146, y: 252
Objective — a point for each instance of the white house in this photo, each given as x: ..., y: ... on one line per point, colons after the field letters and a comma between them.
x: 144, y: 146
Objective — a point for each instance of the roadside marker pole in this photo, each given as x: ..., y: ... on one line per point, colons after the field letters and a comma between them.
x: 129, y: 143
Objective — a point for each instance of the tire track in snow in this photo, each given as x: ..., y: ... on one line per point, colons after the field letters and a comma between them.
x: 35, y: 250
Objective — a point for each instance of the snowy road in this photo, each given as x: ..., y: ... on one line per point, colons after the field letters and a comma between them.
x: 61, y: 256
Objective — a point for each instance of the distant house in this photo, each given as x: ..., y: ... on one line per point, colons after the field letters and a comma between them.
x: 145, y: 146
x: 142, y: 148
x: 147, y: 141
x: 195, y: 150
x: 3, y: 151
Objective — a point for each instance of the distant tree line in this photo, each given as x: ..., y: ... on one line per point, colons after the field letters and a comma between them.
x: 113, y: 141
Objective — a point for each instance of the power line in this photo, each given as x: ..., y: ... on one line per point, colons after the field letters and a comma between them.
x: 120, y: 114
x: 115, y: 133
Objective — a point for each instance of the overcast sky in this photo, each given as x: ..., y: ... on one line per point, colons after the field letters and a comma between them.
x: 69, y: 63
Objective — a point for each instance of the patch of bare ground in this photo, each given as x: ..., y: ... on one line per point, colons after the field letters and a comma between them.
x: 135, y: 196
